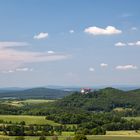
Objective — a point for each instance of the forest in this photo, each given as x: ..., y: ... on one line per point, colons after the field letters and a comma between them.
x: 94, y: 113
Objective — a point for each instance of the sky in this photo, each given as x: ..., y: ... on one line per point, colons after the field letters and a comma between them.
x: 69, y: 43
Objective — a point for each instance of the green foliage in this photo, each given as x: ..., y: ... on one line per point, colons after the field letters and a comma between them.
x: 80, y: 137
x: 20, y: 138
x: 42, y: 138
x: 98, y: 131
x: 54, y: 138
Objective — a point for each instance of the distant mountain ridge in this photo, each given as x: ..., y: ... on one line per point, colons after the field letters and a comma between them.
x: 34, y: 93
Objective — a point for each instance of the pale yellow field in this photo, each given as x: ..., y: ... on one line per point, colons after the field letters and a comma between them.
x: 24, y: 102
x: 126, y: 133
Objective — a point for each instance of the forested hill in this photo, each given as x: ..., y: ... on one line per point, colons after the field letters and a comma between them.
x: 35, y: 93
x: 102, y: 100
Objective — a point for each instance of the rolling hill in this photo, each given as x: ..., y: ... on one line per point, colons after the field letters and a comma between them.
x: 101, y: 100
x: 35, y: 93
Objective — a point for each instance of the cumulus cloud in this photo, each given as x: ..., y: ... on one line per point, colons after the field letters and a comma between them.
x: 103, y: 65
x: 137, y: 43
x: 4, y: 44
x: 71, y: 31
x: 41, y: 35
x: 109, y: 30
x: 120, y: 44
x: 91, y: 69
x: 126, y: 67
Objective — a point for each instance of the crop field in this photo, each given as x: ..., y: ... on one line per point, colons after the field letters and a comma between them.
x: 124, y: 132
x: 28, y: 119
x: 36, y: 101
x: 89, y: 138
x: 113, y: 138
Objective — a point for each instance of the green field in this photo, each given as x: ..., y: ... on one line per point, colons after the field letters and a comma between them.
x: 134, y: 118
x: 28, y: 119
x: 113, y: 138
x: 20, y: 103
x: 124, y: 132
x: 89, y: 137
x: 36, y: 101
x: 111, y: 135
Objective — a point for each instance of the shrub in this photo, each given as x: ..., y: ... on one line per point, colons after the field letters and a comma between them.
x: 80, y: 137
x: 42, y: 138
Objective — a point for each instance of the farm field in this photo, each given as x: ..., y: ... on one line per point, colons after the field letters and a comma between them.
x: 89, y: 138
x: 124, y: 132
x: 20, y: 103
x: 28, y: 119
x: 36, y: 101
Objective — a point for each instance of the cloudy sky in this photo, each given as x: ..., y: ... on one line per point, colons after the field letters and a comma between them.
x: 76, y: 42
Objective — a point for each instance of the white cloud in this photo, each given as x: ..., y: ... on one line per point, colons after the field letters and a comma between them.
x: 126, y: 67
x: 137, y: 43
x: 26, y: 56
x: 131, y: 44
x: 109, y: 30
x: 71, y: 31
x: 41, y: 35
x: 4, y: 44
x: 23, y: 69
x: 103, y: 65
x: 50, y: 52
x: 91, y: 69
x: 18, y: 70
x: 120, y: 44
x: 8, y: 71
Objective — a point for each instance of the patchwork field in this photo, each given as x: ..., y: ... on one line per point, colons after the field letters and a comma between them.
x: 28, y: 119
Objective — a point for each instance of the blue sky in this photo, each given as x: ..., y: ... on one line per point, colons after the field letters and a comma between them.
x: 76, y: 42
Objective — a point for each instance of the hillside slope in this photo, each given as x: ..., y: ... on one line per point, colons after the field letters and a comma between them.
x: 102, y: 100
x: 35, y: 93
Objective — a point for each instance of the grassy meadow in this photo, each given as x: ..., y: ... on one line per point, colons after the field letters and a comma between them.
x: 28, y: 119
x: 20, y: 103
x: 89, y: 138
x: 132, y: 118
